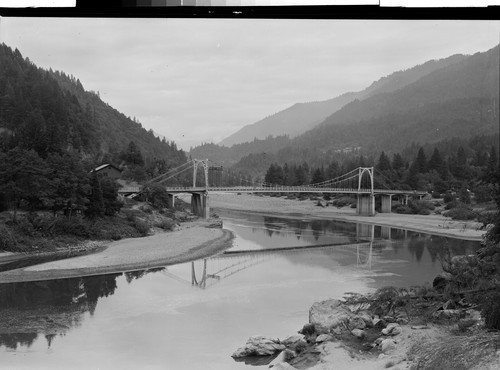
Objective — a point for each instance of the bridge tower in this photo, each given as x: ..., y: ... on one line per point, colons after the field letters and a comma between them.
x: 199, y: 200
x: 366, y: 199
x: 204, y: 163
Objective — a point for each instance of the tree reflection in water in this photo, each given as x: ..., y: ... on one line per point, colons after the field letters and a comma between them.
x: 52, y: 307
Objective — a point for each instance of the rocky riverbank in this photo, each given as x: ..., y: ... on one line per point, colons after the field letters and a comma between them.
x: 390, y: 329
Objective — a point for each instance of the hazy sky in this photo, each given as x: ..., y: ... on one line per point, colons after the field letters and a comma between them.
x: 196, y: 80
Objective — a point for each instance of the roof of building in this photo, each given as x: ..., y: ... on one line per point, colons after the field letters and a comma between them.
x: 103, y: 166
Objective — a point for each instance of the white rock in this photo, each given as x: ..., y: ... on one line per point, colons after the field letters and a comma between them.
x: 387, y: 345
x: 279, y: 359
x: 357, y: 322
x: 258, y: 346
x: 367, y: 319
x: 392, y: 329
x: 329, y: 314
x: 358, y: 333
x: 294, y: 341
x: 397, y: 330
x: 323, y: 338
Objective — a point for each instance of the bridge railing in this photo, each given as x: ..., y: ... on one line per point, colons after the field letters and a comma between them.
x: 294, y: 189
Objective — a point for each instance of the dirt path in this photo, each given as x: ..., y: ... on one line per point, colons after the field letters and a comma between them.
x: 432, y: 224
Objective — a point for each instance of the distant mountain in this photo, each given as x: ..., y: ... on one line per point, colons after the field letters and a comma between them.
x: 459, y: 100
x: 301, y: 117
x: 51, y: 112
x: 229, y: 156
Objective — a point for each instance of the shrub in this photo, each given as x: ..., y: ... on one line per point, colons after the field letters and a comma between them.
x: 342, y: 202
x: 402, y: 209
x: 76, y: 226
x: 454, y: 204
x: 448, y: 198
x: 146, y: 209
x: 131, y: 214
x: 418, y: 205
x: 7, y: 240
x: 165, y: 224
x: 436, y: 194
x: 462, y: 213
x: 491, y: 311
x: 424, y: 211
x: 25, y: 227
x: 141, y: 226
x: 3, y: 203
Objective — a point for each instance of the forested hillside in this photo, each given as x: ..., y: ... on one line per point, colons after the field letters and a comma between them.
x: 229, y: 156
x: 459, y: 100
x: 51, y: 112
x: 52, y: 134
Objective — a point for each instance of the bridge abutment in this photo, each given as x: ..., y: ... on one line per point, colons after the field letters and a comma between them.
x: 365, y: 205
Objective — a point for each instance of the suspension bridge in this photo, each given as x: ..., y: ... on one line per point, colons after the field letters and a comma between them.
x: 358, y: 182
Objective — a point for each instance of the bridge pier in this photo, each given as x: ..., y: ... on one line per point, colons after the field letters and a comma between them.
x: 199, y: 204
x: 386, y: 203
x: 365, y: 205
x: 171, y: 200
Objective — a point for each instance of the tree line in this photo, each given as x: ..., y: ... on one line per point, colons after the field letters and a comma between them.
x: 470, y: 166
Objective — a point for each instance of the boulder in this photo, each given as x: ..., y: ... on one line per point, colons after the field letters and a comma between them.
x: 294, y: 342
x: 258, y: 346
x: 441, y: 281
x: 378, y: 341
x: 396, y: 330
x: 387, y: 345
x: 379, y: 324
x: 358, y: 333
x: 392, y: 329
x: 366, y: 318
x: 278, y: 359
x: 323, y: 338
x: 336, y: 331
x: 329, y: 314
x: 448, y: 314
x: 356, y: 322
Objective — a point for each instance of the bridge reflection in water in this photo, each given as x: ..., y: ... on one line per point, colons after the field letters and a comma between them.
x: 210, y: 271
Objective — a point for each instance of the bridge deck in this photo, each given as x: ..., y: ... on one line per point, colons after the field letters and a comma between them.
x: 290, y: 189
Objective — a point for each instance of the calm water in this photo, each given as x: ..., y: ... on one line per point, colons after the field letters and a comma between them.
x: 194, y: 315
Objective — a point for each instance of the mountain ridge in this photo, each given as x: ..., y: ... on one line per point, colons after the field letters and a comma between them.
x: 300, y: 117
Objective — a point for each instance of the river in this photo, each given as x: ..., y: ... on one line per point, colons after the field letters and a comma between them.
x: 194, y: 315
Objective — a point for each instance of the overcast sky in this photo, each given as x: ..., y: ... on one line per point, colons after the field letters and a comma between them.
x: 196, y: 80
